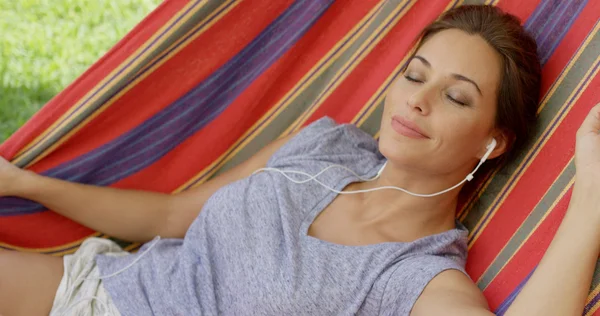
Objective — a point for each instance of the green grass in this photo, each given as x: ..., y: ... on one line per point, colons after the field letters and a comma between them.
x: 46, y: 44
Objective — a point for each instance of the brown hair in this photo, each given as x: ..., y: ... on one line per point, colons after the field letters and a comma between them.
x: 519, y: 89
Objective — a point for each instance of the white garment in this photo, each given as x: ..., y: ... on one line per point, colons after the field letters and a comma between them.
x: 80, y: 292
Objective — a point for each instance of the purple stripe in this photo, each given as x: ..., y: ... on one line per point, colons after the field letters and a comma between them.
x: 114, y: 76
x: 557, y: 32
x: 193, y: 111
x: 508, y: 301
x: 533, y: 18
x: 537, y: 28
x: 531, y: 156
x: 550, y: 23
x: 306, y: 113
x: 173, y: 128
x: 207, y: 90
x: 591, y: 304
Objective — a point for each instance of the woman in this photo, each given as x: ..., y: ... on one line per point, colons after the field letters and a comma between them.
x: 265, y: 245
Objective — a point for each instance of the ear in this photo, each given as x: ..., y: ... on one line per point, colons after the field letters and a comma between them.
x: 504, y: 139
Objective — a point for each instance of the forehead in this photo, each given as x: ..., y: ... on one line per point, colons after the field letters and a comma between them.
x: 455, y: 51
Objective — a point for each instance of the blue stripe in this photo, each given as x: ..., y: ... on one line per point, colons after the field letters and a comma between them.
x: 193, y: 111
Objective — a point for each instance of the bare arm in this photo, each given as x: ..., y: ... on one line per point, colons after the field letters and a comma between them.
x: 127, y: 214
x: 560, y: 284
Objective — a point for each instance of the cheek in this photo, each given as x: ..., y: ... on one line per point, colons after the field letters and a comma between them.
x: 463, y: 137
x: 396, y: 95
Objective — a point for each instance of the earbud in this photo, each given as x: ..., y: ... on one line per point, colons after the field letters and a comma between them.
x: 490, y: 147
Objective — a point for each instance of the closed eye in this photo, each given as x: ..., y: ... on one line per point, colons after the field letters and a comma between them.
x: 455, y: 101
x: 411, y: 79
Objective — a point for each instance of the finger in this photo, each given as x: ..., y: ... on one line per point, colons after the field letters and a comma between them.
x: 591, y: 123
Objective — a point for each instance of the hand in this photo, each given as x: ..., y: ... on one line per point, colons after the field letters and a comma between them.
x: 587, y: 149
x: 9, y: 174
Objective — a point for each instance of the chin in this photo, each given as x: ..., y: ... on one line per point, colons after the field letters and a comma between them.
x: 398, y: 151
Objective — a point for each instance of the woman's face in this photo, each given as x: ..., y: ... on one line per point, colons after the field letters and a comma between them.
x: 439, y: 114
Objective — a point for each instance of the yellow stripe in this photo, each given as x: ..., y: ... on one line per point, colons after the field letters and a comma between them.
x: 453, y: 3
x: 354, y: 61
x: 291, y: 96
x: 548, y: 211
x: 590, y: 297
x: 549, y: 94
x: 62, y: 122
x: 133, y: 246
x: 577, y: 92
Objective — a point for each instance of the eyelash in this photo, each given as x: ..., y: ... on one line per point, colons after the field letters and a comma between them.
x: 447, y: 95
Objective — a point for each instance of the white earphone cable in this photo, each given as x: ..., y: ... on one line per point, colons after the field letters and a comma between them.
x: 310, y: 177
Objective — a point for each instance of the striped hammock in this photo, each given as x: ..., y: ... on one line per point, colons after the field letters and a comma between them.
x: 201, y: 85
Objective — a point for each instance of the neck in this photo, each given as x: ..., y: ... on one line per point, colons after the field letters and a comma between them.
x: 407, y: 216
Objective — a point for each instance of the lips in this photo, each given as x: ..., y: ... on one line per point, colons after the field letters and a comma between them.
x: 407, y: 128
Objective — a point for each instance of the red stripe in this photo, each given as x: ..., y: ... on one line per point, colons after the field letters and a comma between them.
x: 527, y: 257
x: 355, y: 91
x: 532, y: 185
x: 40, y: 230
x: 541, y: 174
x: 91, y: 77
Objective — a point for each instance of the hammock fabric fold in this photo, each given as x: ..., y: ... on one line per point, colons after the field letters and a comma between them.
x: 199, y: 86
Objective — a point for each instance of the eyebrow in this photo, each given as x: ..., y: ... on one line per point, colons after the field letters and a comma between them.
x: 455, y: 76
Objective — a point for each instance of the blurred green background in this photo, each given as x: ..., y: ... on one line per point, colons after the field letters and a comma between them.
x: 46, y: 44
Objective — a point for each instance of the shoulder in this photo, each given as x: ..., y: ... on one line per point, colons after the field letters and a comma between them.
x: 412, y: 277
x: 451, y: 292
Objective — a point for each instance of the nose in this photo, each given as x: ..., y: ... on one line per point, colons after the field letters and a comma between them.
x: 420, y: 100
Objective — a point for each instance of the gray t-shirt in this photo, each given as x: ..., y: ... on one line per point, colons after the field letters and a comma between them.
x: 248, y: 252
